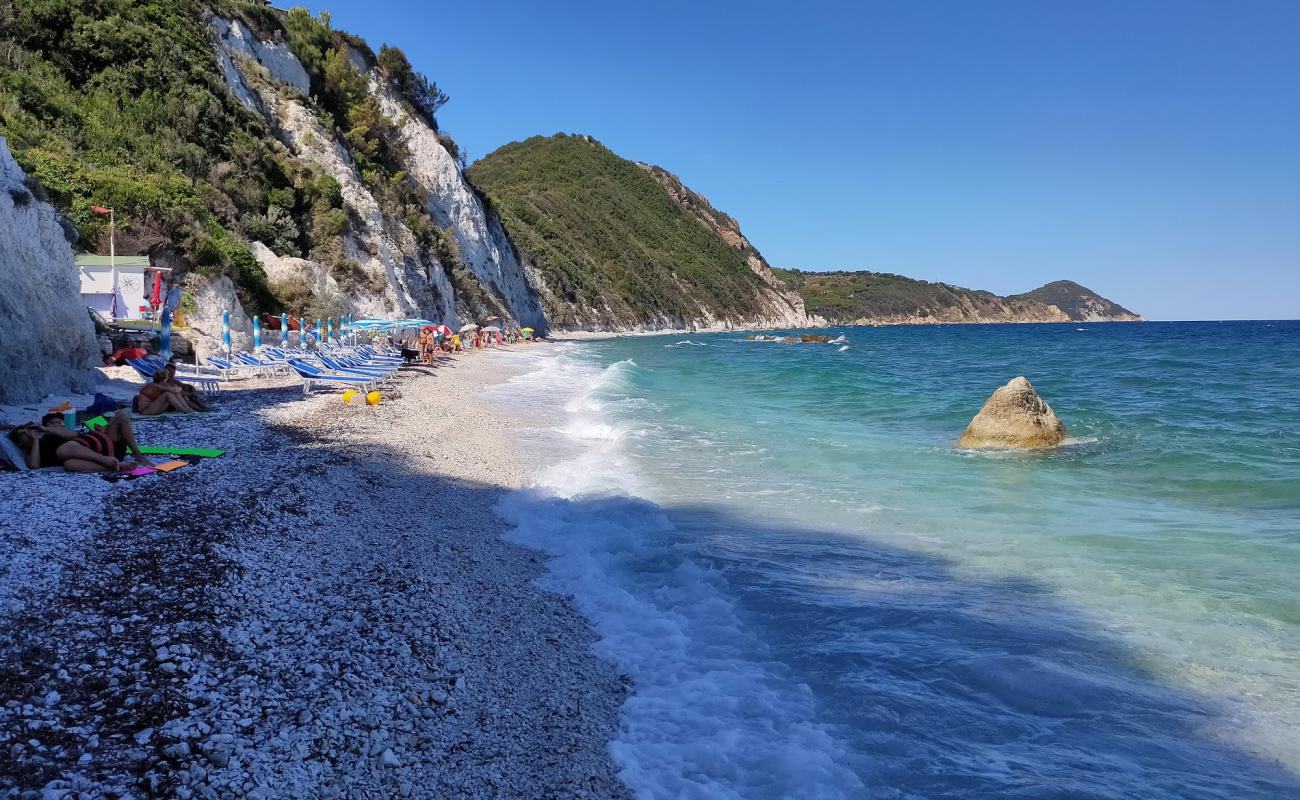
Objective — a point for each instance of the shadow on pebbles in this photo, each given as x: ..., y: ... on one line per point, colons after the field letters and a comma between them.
x: 326, y: 611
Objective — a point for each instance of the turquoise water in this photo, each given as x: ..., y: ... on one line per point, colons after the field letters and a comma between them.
x: 817, y: 595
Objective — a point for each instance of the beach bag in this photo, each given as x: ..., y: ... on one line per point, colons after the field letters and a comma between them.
x: 102, y: 405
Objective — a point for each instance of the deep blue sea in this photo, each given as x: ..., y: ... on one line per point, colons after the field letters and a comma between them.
x: 817, y: 596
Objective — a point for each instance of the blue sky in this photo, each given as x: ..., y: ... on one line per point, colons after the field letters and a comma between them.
x: 1148, y: 150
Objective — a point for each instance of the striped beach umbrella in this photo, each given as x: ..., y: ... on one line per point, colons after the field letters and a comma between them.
x: 165, y: 334
x: 329, y: 328
x: 257, y: 334
x: 284, y: 329
x: 225, y: 331
x: 316, y: 332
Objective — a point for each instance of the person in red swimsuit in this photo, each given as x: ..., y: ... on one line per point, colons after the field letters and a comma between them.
x: 50, y: 444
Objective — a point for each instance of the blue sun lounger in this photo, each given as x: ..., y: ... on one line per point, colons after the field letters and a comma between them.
x: 312, y: 375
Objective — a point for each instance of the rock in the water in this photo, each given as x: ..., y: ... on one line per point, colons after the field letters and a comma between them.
x: 1014, y: 416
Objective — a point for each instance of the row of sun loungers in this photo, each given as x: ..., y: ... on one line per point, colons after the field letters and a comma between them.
x: 363, y: 367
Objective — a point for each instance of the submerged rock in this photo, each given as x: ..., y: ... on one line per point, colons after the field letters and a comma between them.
x: 1014, y: 416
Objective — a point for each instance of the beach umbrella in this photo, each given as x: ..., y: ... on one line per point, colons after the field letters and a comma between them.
x: 468, y: 328
x: 349, y: 329
x: 316, y: 331
x: 257, y: 334
x: 284, y: 329
x: 329, y: 328
x: 491, y: 329
x: 165, y: 335
x: 155, y: 297
x: 526, y: 330
x: 225, y: 331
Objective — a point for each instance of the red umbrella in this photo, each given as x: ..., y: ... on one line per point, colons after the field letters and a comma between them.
x: 155, y: 299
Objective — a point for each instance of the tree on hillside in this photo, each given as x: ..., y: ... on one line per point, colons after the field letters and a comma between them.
x: 422, y: 93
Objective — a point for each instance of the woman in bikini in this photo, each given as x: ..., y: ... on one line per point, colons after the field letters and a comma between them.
x: 157, y: 397
x: 188, y: 393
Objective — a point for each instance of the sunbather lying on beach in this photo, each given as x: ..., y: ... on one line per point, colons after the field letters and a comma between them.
x: 158, y: 396
x: 188, y: 392
x: 50, y: 444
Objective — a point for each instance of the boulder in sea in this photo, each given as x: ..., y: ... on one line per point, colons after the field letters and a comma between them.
x: 1014, y: 416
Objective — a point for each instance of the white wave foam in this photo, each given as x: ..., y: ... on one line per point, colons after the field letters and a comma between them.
x: 712, y: 716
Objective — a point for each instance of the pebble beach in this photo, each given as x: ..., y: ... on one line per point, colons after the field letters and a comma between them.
x: 327, y: 610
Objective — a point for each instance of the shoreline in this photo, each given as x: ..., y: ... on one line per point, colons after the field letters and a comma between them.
x: 328, y: 607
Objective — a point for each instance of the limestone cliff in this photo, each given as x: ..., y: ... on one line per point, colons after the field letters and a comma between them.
x: 48, y: 338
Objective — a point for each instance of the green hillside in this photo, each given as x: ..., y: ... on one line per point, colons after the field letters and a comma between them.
x: 613, y: 246
x: 121, y: 103
x: 841, y: 297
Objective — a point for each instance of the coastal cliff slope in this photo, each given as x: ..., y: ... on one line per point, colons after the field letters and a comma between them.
x: 625, y: 246
x: 274, y: 163
x: 879, y: 298
x: 1080, y: 303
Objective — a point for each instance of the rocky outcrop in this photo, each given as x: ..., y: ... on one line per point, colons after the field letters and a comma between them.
x: 48, y: 337
x: 212, y: 297
x: 1014, y: 416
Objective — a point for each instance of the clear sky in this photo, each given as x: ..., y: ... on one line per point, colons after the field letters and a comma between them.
x: 1149, y: 150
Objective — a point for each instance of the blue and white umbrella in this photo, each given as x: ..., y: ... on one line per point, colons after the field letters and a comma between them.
x: 165, y: 335
x: 257, y: 334
x: 225, y: 331
x: 329, y: 328
x: 284, y: 329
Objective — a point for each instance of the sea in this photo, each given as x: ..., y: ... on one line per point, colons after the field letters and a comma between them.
x: 815, y: 594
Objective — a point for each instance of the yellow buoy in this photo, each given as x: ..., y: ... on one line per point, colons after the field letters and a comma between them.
x: 349, y: 394
x: 373, y: 398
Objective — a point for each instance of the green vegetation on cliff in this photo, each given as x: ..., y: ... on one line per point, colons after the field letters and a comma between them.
x: 121, y: 103
x: 1080, y: 302
x: 613, y: 246
x: 882, y: 297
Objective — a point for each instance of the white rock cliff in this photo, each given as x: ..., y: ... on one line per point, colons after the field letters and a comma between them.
x: 48, y: 339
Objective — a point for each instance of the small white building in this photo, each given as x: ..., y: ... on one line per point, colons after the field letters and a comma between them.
x: 119, y: 287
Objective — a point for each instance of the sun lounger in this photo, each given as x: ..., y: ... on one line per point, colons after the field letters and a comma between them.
x: 339, y: 366
x: 253, y: 362
x: 147, y: 367
x: 312, y: 375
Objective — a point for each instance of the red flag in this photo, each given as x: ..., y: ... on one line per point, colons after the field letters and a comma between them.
x: 101, y: 210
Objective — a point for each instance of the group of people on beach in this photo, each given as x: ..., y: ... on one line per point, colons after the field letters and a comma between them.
x: 428, y: 343
x: 51, y: 443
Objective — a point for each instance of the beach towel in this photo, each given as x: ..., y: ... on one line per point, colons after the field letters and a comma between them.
x: 168, y: 466
x: 94, y: 423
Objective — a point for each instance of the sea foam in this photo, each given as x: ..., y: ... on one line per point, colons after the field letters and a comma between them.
x: 712, y: 716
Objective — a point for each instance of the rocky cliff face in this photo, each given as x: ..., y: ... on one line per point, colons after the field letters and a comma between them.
x: 49, y: 341
x: 393, y: 274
